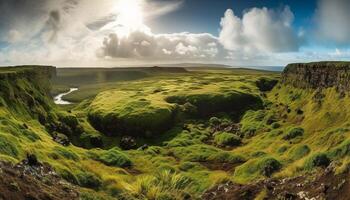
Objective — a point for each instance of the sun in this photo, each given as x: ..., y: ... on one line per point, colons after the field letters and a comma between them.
x: 129, y: 13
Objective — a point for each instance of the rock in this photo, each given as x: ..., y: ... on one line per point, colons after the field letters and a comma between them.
x: 287, y: 196
x: 61, y: 139
x: 299, y: 111
x: 318, y: 75
x: 14, y: 187
x: 96, y: 141
x: 144, y: 147
x: 32, y: 160
x: 25, y: 126
x: 127, y: 142
x: 265, y: 84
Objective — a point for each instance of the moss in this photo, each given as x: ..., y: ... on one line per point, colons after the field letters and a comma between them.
x: 68, y: 154
x: 186, y: 166
x: 227, y: 139
x: 251, y: 122
x: 7, y: 147
x: 114, y: 157
x: 67, y: 175
x: 33, y: 137
x: 125, y: 114
x: 154, y: 150
x: 187, y: 138
x: 256, y: 168
x: 299, y: 151
x: 275, y: 125
x: 214, y: 121
x: 89, y: 195
x: 293, y: 133
x: 88, y: 180
x: 195, y: 153
x: 210, y: 103
x: 226, y: 157
x: 341, y: 150
x: 282, y: 149
x: 317, y: 160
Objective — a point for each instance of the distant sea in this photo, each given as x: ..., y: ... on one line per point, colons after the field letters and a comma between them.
x: 267, y: 68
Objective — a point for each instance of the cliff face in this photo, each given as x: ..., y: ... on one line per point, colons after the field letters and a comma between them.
x: 318, y: 75
x: 26, y: 88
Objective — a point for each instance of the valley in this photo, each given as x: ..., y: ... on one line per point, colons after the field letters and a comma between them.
x: 176, y: 132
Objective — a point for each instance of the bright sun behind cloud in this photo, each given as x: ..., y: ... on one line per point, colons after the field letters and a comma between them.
x: 130, y: 13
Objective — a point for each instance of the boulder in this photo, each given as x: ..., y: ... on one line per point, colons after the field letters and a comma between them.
x: 127, y: 143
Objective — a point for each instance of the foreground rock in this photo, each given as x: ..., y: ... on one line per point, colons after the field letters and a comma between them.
x: 33, y: 180
x: 323, y: 186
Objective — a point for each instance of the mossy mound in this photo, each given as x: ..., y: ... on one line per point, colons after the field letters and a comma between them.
x: 317, y: 160
x: 257, y: 168
x: 299, y: 152
x: 112, y: 157
x: 126, y: 112
x: 227, y: 139
x: 207, y: 104
x: 129, y: 111
x: 293, y: 133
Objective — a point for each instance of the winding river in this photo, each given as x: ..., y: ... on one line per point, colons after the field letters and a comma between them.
x: 58, y: 99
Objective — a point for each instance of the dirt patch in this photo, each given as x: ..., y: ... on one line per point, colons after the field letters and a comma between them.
x: 38, y: 182
x: 323, y: 185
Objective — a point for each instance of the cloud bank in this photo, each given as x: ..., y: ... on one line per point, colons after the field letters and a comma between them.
x: 333, y: 18
x: 259, y: 30
x: 79, y: 32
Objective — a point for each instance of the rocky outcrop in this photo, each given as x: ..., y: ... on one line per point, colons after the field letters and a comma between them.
x: 323, y: 185
x: 318, y: 75
x: 31, y: 179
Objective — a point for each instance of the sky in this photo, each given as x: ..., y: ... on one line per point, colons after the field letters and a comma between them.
x: 112, y: 33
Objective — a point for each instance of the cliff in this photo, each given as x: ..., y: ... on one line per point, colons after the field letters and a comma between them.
x: 25, y: 89
x: 318, y: 75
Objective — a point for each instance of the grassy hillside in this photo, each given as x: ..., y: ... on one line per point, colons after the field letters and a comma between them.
x: 154, y: 105
x: 173, y: 133
x: 183, y: 161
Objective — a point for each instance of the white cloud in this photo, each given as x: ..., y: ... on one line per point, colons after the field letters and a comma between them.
x: 141, y: 44
x: 14, y: 36
x: 333, y: 21
x: 75, y: 32
x: 261, y: 30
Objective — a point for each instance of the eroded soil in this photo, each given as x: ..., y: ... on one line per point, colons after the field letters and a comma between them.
x: 33, y: 182
x: 320, y: 186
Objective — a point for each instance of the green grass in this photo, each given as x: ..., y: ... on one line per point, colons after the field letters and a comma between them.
x: 162, y: 185
x: 7, y: 147
x: 317, y: 160
x: 113, y: 157
x: 257, y: 168
x: 65, y: 153
x: 162, y: 102
x: 299, y: 151
x: 293, y: 133
x: 175, y: 114
x: 227, y: 139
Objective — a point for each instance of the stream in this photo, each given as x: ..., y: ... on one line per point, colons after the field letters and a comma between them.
x: 58, y: 99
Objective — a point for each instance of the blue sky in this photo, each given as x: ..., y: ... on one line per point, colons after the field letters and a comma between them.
x: 146, y: 32
x: 204, y: 15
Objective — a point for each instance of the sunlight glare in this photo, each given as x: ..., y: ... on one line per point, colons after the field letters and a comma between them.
x: 130, y: 13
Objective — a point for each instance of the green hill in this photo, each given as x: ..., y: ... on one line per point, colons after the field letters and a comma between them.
x: 180, y: 134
